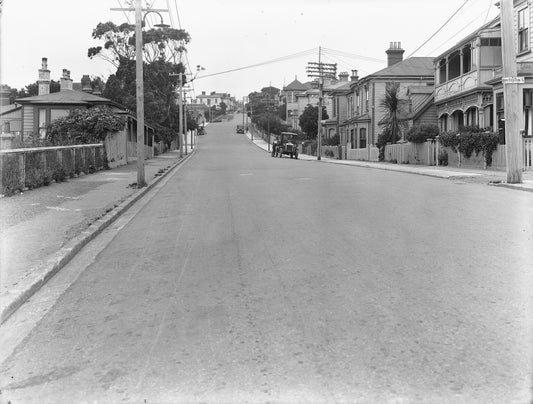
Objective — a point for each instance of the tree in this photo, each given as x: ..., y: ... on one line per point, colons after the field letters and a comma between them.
x: 223, y: 107
x: 394, y: 108
x: 309, y: 120
x: 119, y: 43
x: 160, y: 75
x: 85, y: 126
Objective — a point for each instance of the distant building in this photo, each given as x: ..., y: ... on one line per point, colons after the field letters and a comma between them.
x: 214, y: 99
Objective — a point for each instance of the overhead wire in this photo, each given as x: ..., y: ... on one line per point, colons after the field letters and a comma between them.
x: 467, y: 25
x: 277, y: 60
x: 353, y: 55
x: 440, y: 28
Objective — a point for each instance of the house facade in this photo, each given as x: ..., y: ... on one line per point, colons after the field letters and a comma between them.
x: 289, y: 95
x: 463, y: 93
x: 338, y: 93
x: 214, y: 99
x: 364, y: 114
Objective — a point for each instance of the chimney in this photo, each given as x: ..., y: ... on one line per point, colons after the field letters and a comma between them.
x: 394, y: 53
x: 44, y: 78
x: 66, y: 81
x: 343, y: 76
x: 5, y: 92
x: 86, y: 84
x: 354, y: 76
x: 203, y: 92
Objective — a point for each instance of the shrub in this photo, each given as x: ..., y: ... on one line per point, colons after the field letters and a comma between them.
x: 10, y: 174
x: 443, y: 158
x: 329, y: 153
x: 421, y: 133
x: 383, y: 138
x: 470, y: 140
x: 332, y: 141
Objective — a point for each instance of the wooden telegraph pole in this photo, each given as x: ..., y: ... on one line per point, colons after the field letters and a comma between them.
x: 322, y: 71
x: 141, y: 182
x: 510, y: 82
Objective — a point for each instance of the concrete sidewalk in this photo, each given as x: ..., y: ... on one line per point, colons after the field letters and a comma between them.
x: 490, y: 177
x: 42, y: 229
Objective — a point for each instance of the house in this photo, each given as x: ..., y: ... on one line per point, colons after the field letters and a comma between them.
x: 362, y: 125
x: 214, y: 99
x: 10, y: 114
x: 463, y: 92
x: 337, y: 92
x: 289, y: 95
x: 37, y: 112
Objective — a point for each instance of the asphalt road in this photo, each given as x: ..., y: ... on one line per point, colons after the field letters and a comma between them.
x: 252, y: 279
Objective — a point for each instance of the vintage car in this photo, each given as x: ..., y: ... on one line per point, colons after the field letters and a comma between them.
x: 201, y: 130
x: 285, y: 143
x: 240, y: 129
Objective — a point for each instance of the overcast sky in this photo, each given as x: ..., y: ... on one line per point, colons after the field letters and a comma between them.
x: 231, y: 34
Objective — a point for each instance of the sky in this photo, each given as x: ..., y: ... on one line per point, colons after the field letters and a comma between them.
x: 232, y: 34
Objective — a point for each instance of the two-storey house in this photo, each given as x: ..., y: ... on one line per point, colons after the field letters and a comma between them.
x: 364, y: 113
x: 289, y: 95
x: 463, y: 93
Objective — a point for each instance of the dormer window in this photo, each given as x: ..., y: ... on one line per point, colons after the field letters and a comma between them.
x: 523, y: 30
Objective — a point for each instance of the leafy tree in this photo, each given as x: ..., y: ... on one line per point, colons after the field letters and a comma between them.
x: 309, y: 120
x: 421, y: 133
x: 160, y: 48
x: 119, y: 43
x: 394, y: 108
x: 223, y: 107
x: 85, y: 126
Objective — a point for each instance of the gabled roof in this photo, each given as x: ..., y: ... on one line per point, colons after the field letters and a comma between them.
x: 295, y: 85
x: 66, y: 97
x: 337, y: 87
x: 415, y: 66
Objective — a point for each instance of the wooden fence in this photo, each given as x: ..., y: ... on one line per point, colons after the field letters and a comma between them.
x: 34, y: 167
x: 370, y: 153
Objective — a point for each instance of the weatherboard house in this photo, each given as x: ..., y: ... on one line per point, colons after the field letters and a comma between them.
x: 415, y: 76
x: 37, y: 112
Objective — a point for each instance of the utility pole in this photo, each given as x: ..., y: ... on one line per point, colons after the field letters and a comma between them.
x: 243, y: 111
x: 322, y: 71
x: 141, y: 182
x: 181, y: 114
x: 510, y: 82
x: 139, y: 22
x: 185, y: 131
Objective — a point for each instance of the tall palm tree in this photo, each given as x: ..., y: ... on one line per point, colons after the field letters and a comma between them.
x: 395, y: 109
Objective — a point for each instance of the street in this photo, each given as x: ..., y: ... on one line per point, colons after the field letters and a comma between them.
x: 247, y: 278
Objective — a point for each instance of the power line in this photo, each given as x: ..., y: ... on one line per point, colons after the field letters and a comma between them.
x: 468, y: 24
x: 281, y: 59
x: 441, y: 27
x: 353, y: 55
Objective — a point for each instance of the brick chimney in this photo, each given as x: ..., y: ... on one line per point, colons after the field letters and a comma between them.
x: 44, y: 78
x: 354, y: 76
x: 5, y: 91
x: 86, y: 84
x: 394, y: 53
x: 343, y: 76
x: 66, y: 81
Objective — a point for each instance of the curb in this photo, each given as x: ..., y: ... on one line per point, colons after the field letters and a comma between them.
x: 518, y: 187
x: 57, y: 261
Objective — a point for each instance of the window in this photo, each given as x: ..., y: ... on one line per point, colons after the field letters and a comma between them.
x: 523, y: 30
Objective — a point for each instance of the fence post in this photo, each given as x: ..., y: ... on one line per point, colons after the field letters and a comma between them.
x: 22, y: 168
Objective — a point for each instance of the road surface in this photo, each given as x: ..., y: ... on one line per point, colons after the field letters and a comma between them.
x: 252, y: 279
